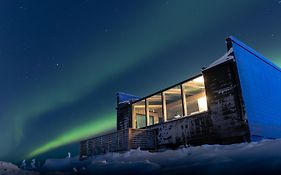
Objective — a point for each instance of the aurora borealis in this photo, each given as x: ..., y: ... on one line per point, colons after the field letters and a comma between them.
x: 63, y: 61
x: 91, y: 128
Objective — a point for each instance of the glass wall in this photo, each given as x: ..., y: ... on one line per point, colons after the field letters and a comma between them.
x: 194, y: 96
x: 181, y: 100
x: 139, y: 114
x: 173, y: 101
x: 155, y: 109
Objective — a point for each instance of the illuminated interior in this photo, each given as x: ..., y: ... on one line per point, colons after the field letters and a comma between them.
x: 139, y: 117
x: 155, y: 109
x: 173, y: 100
x: 194, y: 95
x: 182, y: 100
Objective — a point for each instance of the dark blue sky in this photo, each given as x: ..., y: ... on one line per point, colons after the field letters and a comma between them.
x: 63, y: 61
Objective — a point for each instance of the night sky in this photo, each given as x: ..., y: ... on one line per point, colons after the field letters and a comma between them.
x: 62, y: 62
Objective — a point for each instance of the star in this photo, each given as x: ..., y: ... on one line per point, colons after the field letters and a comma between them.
x: 26, y: 77
x: 107, y: 30
x: 22, y: 7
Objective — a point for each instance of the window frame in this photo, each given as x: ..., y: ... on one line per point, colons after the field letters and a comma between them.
x: 164, y: 106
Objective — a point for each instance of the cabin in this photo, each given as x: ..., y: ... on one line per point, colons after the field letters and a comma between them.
x: 235, y: 99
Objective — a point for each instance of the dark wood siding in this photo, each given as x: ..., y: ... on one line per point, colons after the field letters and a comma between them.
x: 224, y: 103
x: 119, y: 141
x: 224, y: 122
x: 124, y: 116
x: 194, y: 130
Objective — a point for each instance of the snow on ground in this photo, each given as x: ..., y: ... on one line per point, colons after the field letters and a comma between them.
x: 256, y: 157
x: 263, y: 157
x: 11, y: 169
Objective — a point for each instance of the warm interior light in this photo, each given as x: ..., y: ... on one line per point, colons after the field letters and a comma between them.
x: 202, y: 104
x: 199, y: 80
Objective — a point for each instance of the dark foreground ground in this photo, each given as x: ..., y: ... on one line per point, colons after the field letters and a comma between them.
x: 263, y: 157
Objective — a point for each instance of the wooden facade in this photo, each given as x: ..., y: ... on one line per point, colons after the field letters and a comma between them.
x: 119, y: 141
x: 223, y: 122
x: 193, y: 130
x: 225, y: 104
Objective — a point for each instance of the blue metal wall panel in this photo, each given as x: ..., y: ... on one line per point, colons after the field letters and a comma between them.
x: 124, y: 97
x: 261, y: 90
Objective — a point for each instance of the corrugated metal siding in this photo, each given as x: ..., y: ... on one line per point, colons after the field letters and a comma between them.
x: 261, y: 88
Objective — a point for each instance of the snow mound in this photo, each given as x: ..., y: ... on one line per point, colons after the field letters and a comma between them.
x: 263, y: 157
x: 11, y: 169
x: 63, y: 165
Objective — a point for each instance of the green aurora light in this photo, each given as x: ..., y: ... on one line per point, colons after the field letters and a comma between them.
x: 147, y: 42
x: 95, y: 127
x: 145, y: 33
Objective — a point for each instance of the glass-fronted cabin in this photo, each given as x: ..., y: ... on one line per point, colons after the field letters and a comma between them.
x: 182, y: 100
x: 233, y: 100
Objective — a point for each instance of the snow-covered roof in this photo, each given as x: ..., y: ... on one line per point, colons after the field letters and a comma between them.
x: 227, y: 56
x: 125, y: 98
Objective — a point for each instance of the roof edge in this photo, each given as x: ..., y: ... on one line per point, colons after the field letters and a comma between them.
x: 232, y: 39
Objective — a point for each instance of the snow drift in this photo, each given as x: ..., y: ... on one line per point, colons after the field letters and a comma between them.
x: 263, y: 157
x: 11, y: 169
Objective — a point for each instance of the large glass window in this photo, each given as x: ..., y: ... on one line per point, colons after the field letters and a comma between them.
x: 155, y: 109
x: 173, y: 101
x: 182, y: 100
x: 194, y: 96
x: 139, y: 114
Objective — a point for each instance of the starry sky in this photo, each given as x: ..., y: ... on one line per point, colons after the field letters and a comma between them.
x: 62, y: 62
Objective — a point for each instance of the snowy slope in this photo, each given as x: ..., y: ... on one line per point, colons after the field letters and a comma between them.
x: 11, y: 169
x: 262, y: 157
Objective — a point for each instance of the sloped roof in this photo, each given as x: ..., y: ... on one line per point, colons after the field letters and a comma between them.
x: 227, y: 56
x: 252, y: 51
